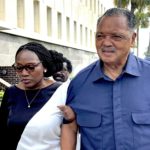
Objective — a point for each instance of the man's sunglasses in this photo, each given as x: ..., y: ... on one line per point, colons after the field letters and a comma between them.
x: 29, y: 68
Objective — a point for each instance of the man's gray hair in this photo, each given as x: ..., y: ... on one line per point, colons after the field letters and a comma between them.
x: 131, y: 20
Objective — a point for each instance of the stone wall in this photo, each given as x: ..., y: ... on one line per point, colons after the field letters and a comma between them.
x: 8, y: 74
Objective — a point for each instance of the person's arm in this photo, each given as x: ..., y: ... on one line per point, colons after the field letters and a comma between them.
x: 69, y: 129
x: 4, y: 112
x: 69, y: 136
x: 69, y: 114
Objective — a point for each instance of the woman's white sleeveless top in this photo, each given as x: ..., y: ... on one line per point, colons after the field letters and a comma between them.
x: 43, y: 131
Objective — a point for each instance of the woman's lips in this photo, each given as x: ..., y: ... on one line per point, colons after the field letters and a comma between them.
x: 25, y: 81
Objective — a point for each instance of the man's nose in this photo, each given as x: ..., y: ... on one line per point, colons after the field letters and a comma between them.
x: 107, y: 41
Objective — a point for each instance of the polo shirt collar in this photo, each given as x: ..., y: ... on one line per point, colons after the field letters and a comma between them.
x: 131, y: 68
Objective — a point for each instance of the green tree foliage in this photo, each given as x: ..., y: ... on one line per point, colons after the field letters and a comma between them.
x: 139, y: 5
x: 1, y: 95
x: 121, y: 3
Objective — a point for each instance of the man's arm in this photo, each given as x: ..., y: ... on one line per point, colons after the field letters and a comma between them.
x: 69, y: 136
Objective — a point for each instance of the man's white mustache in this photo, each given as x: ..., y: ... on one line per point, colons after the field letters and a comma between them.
x: 108, y: 49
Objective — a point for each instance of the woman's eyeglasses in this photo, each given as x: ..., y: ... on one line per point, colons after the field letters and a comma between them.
x: 29, y: 68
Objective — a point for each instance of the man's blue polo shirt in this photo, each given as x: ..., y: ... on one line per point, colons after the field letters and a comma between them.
x: 113, y: 115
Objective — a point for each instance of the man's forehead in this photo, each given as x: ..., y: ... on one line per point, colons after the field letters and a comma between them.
x: 113, y: 22
x: 113, y: 17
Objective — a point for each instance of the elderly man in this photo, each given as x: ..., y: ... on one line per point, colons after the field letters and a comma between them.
x: 111, y: 97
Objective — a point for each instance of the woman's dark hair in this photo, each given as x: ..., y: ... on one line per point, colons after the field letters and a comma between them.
x: 51, y: 59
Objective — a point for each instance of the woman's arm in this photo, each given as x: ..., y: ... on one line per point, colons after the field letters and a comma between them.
x: 69, y: 129
x: 69, y: 136
x: 69, y: 114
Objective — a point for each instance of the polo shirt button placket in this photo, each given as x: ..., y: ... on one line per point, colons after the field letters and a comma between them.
x: 118, y: 122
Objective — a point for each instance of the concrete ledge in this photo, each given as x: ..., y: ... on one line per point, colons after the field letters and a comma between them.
x: 5, y: 82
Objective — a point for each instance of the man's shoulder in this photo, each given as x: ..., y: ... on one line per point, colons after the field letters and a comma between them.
x: 140, y: 62
x: 84, y: 75
x: 86, y: 71
x: 140, y: 66
x: 144, y: 62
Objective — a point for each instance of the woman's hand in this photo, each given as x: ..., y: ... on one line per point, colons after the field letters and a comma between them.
x: 68, y: 112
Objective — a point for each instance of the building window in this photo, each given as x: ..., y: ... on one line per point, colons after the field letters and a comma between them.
x: 98, y: 8
x: 68, y: 28
x: 2, y: 9
x: 95, y: 6
x: 20, y: 13
x: 104, y: 9
x: 86, y: 36
x: 101, y: 9
x: 81, y: 34
x: 36, y: 16
x: 91, y: 38
x: 90, y: 4
x: 49, y: 21
x: 86, y: 3
x: 75, y: 31
x: 59, y: 25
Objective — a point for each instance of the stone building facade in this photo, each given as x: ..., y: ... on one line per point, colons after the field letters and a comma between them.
x: 67, y: 26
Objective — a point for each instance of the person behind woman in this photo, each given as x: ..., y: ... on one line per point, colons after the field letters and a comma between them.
x: 22, y: 102
x: 64, y: 74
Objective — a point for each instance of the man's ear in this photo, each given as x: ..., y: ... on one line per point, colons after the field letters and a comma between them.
x: 133, y: 39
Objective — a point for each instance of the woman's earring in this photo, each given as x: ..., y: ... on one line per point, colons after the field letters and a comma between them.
x: 45, y: 70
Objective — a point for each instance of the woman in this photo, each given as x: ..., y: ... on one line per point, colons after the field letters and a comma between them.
x: 22, y: 102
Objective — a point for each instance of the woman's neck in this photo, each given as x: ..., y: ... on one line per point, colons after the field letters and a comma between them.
x: 42, y: 84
